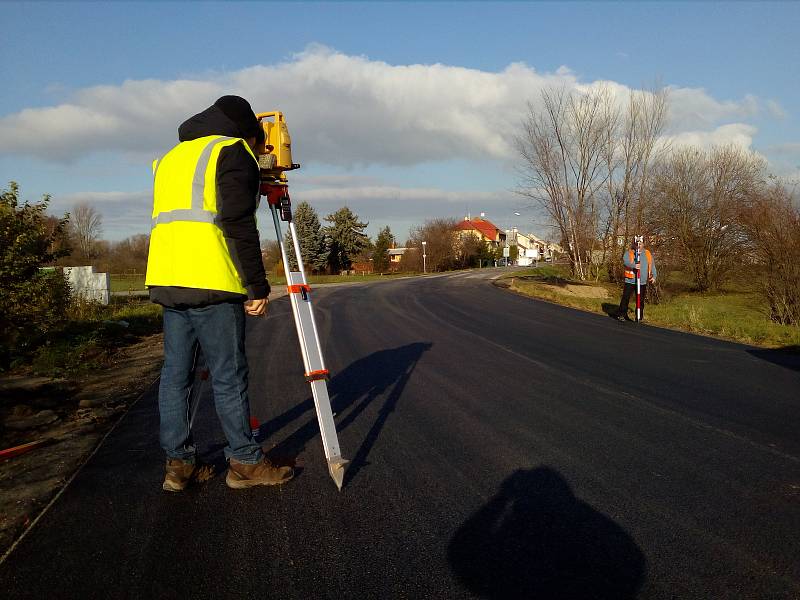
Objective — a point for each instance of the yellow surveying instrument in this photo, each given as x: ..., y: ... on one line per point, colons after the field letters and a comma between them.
x: 274, y: 159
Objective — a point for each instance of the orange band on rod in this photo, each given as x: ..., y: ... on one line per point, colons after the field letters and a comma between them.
x: 317, y: 375
x: 296, y: 289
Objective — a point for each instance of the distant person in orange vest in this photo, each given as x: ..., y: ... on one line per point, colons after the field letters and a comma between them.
x: 647, y: 274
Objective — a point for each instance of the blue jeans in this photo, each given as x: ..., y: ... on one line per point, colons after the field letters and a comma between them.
x: 219, y: 329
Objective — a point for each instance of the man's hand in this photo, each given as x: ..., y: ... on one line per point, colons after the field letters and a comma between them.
x: 256, y: 308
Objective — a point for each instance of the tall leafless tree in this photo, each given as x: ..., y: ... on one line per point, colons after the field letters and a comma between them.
x: 86, y: 227
x: 771, y: 219
x: 441, y: 246
x: 633, y: 144
x: 564, y: 149
x: 697, y: 199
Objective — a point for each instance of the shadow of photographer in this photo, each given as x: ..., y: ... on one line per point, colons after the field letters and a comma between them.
x: 352, y: 389
x: 535, y: 539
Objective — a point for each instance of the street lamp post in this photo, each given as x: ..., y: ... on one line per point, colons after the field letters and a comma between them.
x: 424, y: 257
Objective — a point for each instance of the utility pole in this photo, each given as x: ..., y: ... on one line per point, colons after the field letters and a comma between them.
x: 424, y: 257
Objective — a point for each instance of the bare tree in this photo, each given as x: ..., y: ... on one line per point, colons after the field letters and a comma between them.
x: 86, y: 226
x: 564, y: 149
x: 632, y: 145
x: 271, y: 256
x: 441, y: 248
x: 772, y: 222
x: 697, y: 199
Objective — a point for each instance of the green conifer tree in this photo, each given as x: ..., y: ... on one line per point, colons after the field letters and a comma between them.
x: 313, y: 242
x: 347, y: 238
x: 380, y: 257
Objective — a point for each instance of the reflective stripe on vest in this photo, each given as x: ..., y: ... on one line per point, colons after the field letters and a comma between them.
x: 187, y: 246
x: 630, y: 274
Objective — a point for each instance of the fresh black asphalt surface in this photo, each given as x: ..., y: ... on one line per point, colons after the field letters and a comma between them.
x: 501, y: 447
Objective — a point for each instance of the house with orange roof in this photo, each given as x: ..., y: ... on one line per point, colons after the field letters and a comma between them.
x: 483, y: 229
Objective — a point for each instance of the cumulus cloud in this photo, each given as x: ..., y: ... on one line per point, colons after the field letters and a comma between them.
x: 776, y: 110
x: 737, y: 134
x: 694, y: 108
x: 343, y: 110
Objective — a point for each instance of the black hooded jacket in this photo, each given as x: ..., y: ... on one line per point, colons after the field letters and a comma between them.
x: 237, y: 194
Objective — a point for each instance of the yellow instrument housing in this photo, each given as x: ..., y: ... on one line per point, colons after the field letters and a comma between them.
x: 277, y: 142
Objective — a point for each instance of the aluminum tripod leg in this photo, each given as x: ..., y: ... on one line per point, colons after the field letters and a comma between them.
x: 316, y: 373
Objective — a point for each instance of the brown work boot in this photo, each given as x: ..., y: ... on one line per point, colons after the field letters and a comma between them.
x: 179, y: 473
x: 241, y: 475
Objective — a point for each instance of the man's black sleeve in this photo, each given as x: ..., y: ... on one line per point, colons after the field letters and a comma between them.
x: 237, y: 192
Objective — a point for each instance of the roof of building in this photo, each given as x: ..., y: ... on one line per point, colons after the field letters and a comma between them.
x: 397, y: 251
x: 482, y: 226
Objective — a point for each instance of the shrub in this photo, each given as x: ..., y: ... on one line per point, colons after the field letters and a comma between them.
x: 772, y: 222
x: 33, y: 300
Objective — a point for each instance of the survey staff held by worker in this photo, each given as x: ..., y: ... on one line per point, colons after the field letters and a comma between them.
x: 645, y: 268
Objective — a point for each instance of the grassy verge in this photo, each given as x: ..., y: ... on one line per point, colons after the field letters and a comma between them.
x: 734, y: 314
x: 89, y: 338
x: 127, y: 283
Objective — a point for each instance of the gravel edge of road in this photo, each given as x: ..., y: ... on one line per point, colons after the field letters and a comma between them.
x: 98, y: 444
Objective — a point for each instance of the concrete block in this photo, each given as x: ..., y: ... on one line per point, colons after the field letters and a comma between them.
x: 88, y: 284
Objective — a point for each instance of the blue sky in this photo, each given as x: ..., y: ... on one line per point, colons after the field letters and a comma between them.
x: 332, y: 63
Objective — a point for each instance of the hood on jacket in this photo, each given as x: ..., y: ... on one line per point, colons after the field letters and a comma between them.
x: 211, y: 121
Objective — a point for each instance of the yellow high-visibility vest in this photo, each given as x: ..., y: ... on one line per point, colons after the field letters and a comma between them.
x: 187, y: 246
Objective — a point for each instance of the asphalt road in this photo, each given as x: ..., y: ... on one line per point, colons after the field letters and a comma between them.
x: 501, y: 447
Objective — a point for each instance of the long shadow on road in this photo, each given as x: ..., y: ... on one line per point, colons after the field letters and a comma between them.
x: 535, y: 539
x: 353, y: 390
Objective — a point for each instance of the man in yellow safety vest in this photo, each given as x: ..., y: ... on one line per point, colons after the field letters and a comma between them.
x: 204, y: 267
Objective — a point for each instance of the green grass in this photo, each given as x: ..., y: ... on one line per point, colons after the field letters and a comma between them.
x: 127, y: 283
x: 91, y: 335
x: 735, y: 313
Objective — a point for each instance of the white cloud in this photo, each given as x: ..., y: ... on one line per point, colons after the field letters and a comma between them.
x: 737, y: 134
x: 342, y: 110
x: 776, y: 110
x: 791, y: 149
x: 693, y: 109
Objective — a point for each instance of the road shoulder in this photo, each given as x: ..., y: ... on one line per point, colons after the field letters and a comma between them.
x: 69, y: 417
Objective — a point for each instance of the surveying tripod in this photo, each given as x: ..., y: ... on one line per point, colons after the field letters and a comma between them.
x: 274, y: 158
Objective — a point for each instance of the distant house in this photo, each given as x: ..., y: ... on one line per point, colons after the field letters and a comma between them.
x: 531, y: 248
x: 395, y: 256
x: 482, y: 229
